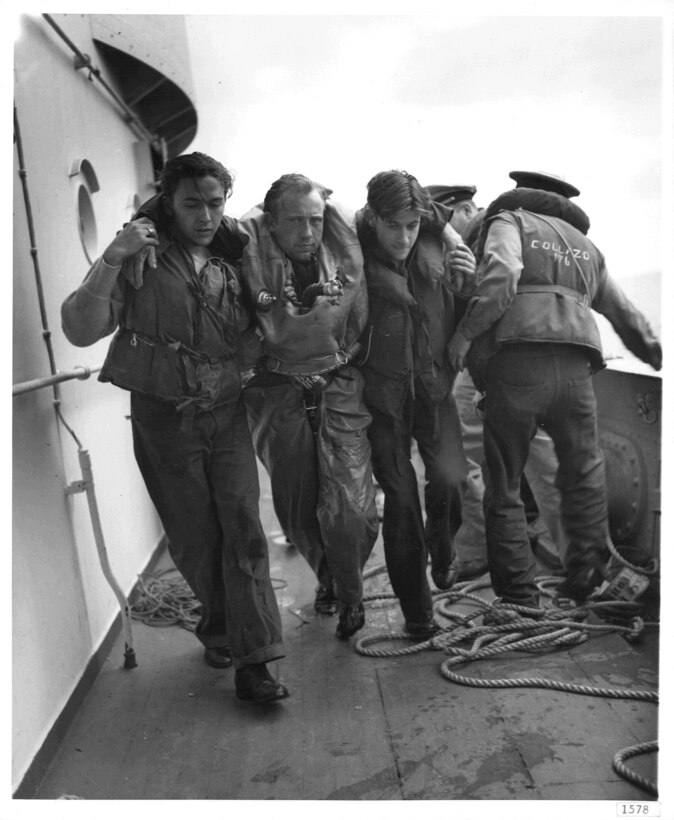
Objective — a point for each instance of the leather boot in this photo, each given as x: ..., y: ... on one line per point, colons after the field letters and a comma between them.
x: 351, y: 619
x: 254, y: 683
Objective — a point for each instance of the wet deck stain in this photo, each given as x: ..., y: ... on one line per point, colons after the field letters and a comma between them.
x: 380, y: 785
x: 271, y: 775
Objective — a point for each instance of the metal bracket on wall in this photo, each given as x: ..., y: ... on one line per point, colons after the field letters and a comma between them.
x: 76, y: 487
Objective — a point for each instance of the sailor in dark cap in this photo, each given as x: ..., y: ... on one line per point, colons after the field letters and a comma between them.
x: 459, y: 198
x: 532, y: 344
x: 541, y: 468
x: 544, y: 182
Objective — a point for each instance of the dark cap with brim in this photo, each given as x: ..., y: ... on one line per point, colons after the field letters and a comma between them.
x: 451, y: 195
x: 544, y: 182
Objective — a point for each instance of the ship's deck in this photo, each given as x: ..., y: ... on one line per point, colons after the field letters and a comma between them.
x: 357, y: 728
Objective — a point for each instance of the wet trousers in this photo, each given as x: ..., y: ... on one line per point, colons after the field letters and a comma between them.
x: 321, y: 482
x: 540, y: 472
x: 470, y: 542
x: 407, y: 540
x: 549, y: 385
x: 202, y: 478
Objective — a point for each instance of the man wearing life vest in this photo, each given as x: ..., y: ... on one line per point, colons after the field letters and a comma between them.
x: 302, y: 268
x: 178, y: 350
x: 546, y: 531
x: 531, y: 342
x: 408, y: 383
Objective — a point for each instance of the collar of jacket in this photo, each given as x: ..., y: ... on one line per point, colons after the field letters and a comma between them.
x: 426, y: 258
x: 544, y: 203
x: 263, y: 258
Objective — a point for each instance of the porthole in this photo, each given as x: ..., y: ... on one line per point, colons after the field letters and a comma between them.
x: 87, y: 224
x: 82, y: 172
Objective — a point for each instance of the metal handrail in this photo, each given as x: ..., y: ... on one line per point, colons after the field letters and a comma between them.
x: 80, y: 372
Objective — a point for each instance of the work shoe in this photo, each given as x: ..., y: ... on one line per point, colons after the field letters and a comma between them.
x: 254, y: 683
x: 471, y: 570
x: 351, y: 619
x: 423, y: 629
x: 325, y: 602
x: 445, y: 578
x: 580, y: 584
x: 219, y: 657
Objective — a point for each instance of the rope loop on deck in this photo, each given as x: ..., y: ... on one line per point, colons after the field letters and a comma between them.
x: 632, y: 751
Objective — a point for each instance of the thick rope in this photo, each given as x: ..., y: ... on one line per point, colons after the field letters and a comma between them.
x: 165, y: 599
x: 652, y: 568
x: 631, y: 751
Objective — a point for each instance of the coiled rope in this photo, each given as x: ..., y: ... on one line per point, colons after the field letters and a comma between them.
x: 165, y: 599
x: 512, y: 628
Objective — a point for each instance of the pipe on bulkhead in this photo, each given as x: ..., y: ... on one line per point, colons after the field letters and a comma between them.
x: 87, y: 486
x: 87, y: 483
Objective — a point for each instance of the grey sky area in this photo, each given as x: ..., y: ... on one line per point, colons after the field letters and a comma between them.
x: 449, y: 99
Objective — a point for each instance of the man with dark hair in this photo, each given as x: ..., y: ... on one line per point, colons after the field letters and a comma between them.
x: 177, y: 349
x: 303, y: 269
x: 408, y: 382
x: 532, y: 345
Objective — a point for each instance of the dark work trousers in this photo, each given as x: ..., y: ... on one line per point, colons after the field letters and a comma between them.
x: 321, y: 482
x: 407, y: 542
x: 550, y: 385
x: 202, y: 478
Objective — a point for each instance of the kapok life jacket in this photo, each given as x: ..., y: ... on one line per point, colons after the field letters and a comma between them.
x: 411, y: 317
x: 563, y: 272
x: 179, y: 336
x: 297, y: 341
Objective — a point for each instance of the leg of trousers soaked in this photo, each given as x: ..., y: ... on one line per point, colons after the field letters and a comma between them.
x: 204, y: 484
x: 321, y: 480
x: 470, y: 542
x: 551, y: 386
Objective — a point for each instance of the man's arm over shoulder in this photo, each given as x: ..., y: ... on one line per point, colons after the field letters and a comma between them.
x: 497, y: 277
x: 93, y: 311
x: 629, y: 323
x: 95, y: 308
